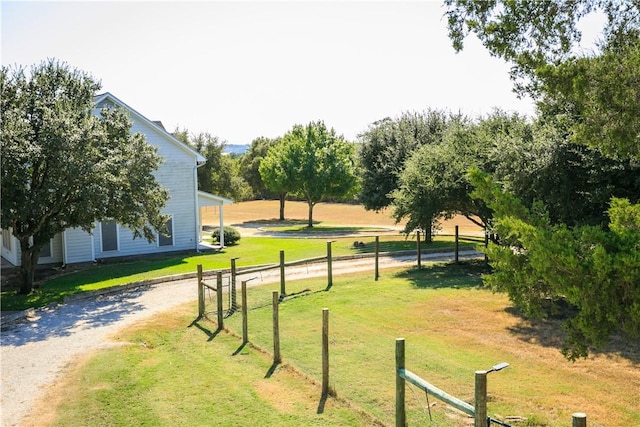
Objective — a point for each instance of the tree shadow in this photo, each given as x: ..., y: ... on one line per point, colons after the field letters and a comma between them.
x: 549, y: 332
x: 463, y: 275
x: 274, y: 222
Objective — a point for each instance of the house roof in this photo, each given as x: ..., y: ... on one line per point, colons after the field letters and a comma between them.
x: 156, y: 125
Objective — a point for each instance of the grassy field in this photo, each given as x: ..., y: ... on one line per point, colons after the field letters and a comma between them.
x: 265, y: 212
x: 174, y: 371
x: 251, y: 250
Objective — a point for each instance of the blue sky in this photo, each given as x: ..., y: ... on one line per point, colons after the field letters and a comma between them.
x: 241, y: 70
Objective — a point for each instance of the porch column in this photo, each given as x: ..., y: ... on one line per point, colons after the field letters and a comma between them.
x: 222, y: 225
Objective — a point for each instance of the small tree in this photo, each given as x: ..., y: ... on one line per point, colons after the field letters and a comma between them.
x: 278, y: 174
x: 313, y: 163
x: 64, y: 167
x: 250, y: 166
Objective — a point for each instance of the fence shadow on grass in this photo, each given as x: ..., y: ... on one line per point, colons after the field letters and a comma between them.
x: 321, y: 404
x: 210, y: 335
x: 272, y: 369
x: 466, y: 274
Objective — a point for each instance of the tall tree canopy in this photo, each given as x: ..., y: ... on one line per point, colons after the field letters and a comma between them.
x: 312, y: 162
x: 64, y: 167
x: 592, y: 98
x: 385, y: 147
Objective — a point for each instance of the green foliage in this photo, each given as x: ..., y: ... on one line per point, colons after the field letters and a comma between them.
x: 555, y: 242
x: 250, y: 166
x: 596, y: 271
x: 598, y: 89
x: 426, y: 185
x: 313, y: 163
x: 64, y: 167
x: 220, y: 174
x: 231, y: 235
x: 433, y: 183
x: 602, y: 93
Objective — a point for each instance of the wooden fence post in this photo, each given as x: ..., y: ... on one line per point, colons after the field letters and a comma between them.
x: 219, y: 298
x: 457, y: 245
x: 283, y: 291
x: 377, y: 264
x: 419, y: 254
x: 325, y: 352
x: 234, y: 298
x: 579, y: 420
x: 276, y: 329
x: 200, y: 292
x: 329, y: 266
x: 480, y: 402
x: 401, y: 416
x: 245, y: 320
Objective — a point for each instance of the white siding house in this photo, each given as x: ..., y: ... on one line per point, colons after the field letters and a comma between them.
x: 178, y: 174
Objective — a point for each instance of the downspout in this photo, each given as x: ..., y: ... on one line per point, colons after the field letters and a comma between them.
x: 197, y: 205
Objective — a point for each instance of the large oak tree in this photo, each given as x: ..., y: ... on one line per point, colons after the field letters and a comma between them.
x: 65, y: 167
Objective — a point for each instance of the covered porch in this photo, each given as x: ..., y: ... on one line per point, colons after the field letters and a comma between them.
x: 210, y: 200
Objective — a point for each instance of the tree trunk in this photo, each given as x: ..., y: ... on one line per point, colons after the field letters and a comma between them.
x: 428, y: 237
x: 310, y: 214
x: 28, y: 261
x: 282, y: 198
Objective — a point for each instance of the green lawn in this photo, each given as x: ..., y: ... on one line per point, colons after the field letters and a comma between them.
x: 250, y: 251
x: 174, y: 371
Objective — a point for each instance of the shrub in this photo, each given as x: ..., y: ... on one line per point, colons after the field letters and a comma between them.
x: 231, y: 235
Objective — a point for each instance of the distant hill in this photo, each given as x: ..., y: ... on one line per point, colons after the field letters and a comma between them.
x: 236, y: 148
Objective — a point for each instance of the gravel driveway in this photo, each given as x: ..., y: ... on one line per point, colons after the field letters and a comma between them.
x: 35, y: 352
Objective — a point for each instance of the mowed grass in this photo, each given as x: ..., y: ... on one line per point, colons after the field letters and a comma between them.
x: 250, y: 251
x: 170, y: 371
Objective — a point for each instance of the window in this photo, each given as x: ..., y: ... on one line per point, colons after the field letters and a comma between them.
x: 45, y: 252
x: 167, y: 240
x: 109, y: 235
x: 6, y: 239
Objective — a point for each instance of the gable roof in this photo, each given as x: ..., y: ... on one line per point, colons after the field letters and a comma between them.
x: 153, y: 124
